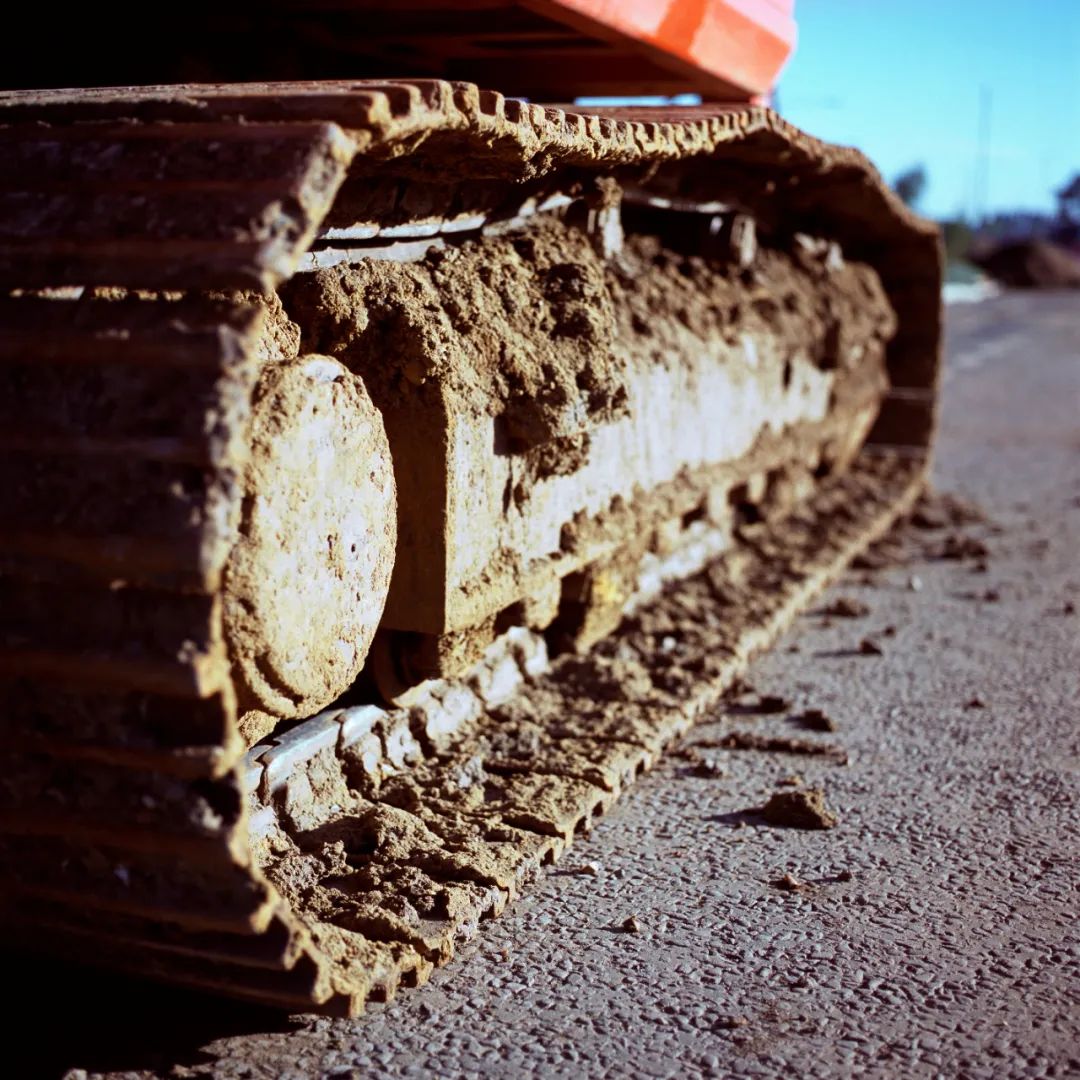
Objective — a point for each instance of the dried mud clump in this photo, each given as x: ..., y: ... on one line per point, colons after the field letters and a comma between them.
x: 729, y: 1023
x: 934, y: 513
x: 790, y: 883
x: 603, y: 678
x: 941, y: 511
x: 845, y: 607
x: 782, y: 744
x: 884, y: 555
x: 958, y: 546
x: 799, y: 810
x: 520, y: 327
x: 712, y: 299
x: 773, y: 703
x: 816, y: 720
x: 748, y: 701
x: 537, y: 329
x: 589, y: 869
x: 708, y: 768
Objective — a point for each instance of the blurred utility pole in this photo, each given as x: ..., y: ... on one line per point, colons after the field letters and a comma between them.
x: 982, y: 155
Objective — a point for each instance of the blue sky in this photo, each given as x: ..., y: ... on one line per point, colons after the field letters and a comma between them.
x: 901, y: 79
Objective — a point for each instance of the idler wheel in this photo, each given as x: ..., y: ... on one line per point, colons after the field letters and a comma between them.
x: 307, y: 579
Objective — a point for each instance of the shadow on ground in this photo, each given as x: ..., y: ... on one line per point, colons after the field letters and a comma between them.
x: 102, y: 1022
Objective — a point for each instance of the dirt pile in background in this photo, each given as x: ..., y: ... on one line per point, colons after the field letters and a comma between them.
x: 1031, y: 264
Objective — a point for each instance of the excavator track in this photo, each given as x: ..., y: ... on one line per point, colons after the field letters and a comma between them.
x: 145, y: 238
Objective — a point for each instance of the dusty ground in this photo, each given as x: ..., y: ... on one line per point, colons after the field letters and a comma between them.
x: 937, y: 934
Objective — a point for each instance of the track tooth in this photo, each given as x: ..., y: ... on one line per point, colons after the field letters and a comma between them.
x: 274, y: 947
x: 109, y: 876
x: 165, y: 205
x: 296, y: 989
x: 198, y: 335
x: 54, y: 719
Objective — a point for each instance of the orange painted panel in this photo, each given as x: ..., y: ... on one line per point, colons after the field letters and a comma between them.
x: 716, y: 44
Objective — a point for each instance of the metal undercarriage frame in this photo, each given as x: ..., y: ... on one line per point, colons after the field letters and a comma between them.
x: 125, y: 831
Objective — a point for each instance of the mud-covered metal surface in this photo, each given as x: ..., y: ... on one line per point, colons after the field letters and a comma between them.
x: 548, y: 403
x: 933, y: 931
x: 124, y: 810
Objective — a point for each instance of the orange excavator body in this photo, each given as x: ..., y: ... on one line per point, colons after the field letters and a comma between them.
x: 546, y: 50
x: 723, y: 49
x: 393, y: 468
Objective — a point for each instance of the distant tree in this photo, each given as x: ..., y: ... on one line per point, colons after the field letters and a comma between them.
x: 910, y: 184
x: 957, y: 236
x: 1069, y: 200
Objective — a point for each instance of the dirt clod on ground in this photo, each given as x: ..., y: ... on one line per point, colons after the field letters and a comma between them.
x: 749, y: 740
x: 885, y: 554
x: 869, y: 647
x: 729, y: 1023
x: 846, y: 607
x: 936, y: 513
x: 709, y: 768
x: 804, y: 809
x: 936, y: 510
x: 771, y: 703
x: 958, y: 546
x: 630, y: 925
x: 520, y: 327
x: 790, y: 883
x: 589, y: 869
x: 816, y: 720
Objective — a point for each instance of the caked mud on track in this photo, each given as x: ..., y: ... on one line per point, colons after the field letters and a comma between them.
x: 411, y: 385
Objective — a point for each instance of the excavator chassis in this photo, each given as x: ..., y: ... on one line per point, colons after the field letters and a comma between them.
x: 157, y: 243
